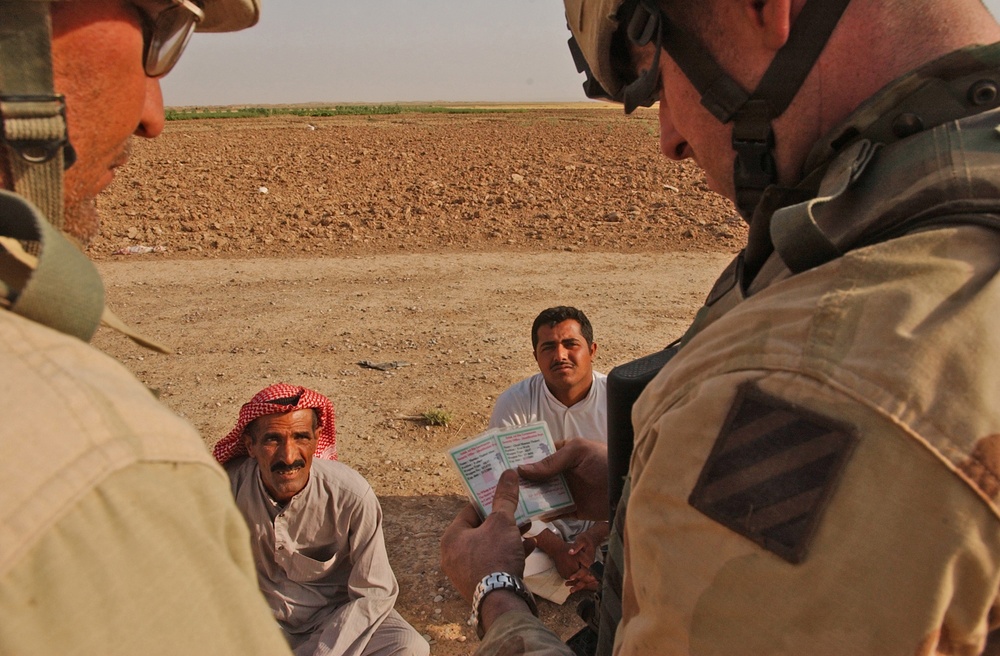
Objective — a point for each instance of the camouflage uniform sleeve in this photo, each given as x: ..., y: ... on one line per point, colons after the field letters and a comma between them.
x: 518, y: 633
x: 821, y: 462
x: 162, y: 549
x: 904, y: 557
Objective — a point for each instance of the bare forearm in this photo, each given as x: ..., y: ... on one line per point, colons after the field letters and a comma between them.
x: 551, y: 543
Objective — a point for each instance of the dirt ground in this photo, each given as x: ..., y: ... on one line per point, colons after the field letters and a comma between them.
x: 428, y: 241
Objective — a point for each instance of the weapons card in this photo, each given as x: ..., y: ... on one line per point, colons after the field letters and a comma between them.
x: 481, y: 460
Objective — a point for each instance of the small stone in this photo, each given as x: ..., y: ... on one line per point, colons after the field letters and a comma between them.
x: 438, y: 599
x: 517, y: 178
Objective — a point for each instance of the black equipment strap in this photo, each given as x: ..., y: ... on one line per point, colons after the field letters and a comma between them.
x: 752, y: 113
x: 753, y: 137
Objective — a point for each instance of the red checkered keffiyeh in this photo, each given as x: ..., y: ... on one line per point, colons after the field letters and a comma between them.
x: 299, y: 398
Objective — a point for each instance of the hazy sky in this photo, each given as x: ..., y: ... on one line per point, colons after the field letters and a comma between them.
x: 386, y: 51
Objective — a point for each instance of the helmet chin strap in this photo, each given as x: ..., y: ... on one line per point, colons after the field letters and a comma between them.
x: 34, y: 132
x: 751, y: 113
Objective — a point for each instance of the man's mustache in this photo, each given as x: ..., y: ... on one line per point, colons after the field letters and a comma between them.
x: 281, y: 468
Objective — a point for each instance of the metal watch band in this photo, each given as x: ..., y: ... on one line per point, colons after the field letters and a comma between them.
x: 499, y: 581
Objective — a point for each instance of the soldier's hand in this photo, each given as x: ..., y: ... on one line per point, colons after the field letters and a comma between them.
x: 585, y: 465
x: 471, y: 549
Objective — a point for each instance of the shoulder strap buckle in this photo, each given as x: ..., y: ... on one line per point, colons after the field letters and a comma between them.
x: 35, y: 127
x: 795, y: 230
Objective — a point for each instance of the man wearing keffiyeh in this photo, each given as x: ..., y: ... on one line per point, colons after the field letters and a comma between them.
x: 315, y: 527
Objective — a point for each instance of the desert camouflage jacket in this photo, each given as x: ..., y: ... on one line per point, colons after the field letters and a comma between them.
x: 816, y: 471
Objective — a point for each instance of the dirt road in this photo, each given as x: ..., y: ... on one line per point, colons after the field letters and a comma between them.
x: 329, y: 268
x: 460, y: 323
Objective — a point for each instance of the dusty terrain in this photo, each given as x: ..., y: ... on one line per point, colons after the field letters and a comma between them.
x: 580, y: 179
x: 430, y: 241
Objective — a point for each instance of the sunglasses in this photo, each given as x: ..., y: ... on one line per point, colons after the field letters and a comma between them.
x: 166, y: 33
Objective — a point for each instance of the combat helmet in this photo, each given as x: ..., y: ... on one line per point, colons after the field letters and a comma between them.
x: 603, y: 29
x: 33, y: 129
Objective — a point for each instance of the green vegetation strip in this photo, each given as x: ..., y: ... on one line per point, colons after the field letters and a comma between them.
x: 338, y: 110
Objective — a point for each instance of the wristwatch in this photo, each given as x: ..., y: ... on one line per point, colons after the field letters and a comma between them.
x: 499, y: 581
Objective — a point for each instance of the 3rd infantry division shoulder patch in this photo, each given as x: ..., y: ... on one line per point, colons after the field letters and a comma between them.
x: 771, y: 472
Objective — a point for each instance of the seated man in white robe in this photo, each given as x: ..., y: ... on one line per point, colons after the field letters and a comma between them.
x: 569, y: 396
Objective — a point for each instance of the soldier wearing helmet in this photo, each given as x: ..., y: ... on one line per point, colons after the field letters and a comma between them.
x: 118, y: 534
x: 816, y: 467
